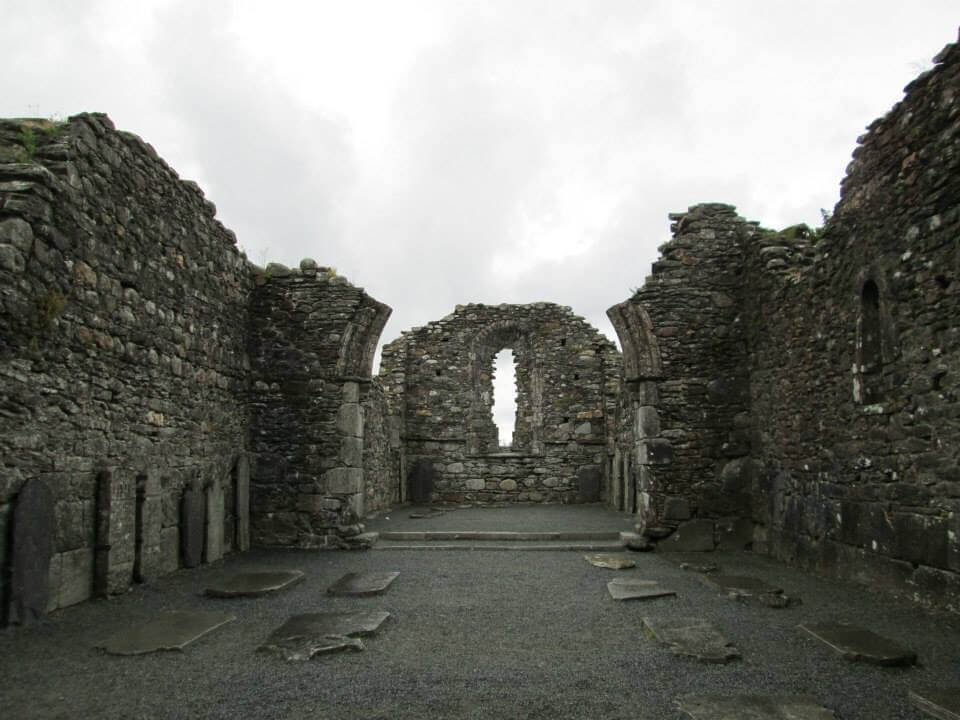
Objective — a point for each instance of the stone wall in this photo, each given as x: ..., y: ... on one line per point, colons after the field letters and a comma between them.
x: 796, y: 388
x: 439, y: 383
x: 381, y: 451
x: 684, y: 418
x: 855, y: 358
x: 312, y: 339
x: 122, y: 362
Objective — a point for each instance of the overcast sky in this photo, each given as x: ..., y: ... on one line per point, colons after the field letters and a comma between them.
x: 449, y: 152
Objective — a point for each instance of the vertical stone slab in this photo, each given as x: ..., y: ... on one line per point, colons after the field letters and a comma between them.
x: 588, y: 481
x: 101, y: 550
x: 192, y: 521
x: 213, y: 544
x: 32, y: 532
x: 241, y: 499
x: 114, y: 553
x: 149, y: 528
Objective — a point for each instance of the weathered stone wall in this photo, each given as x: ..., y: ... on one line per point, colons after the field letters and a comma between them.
x: 312, y: 339
x: 439, y: 382
x: 684, y: 416
x: 855, y: 359
x: 122, y: 349
x: 804, y: 381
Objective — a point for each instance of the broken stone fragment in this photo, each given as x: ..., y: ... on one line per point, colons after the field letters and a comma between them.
x: 612, y: 562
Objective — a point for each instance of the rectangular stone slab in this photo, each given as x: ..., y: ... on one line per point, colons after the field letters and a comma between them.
x: 254, y: 584
x: 857, y: 644
x: 753, y: 707
x: 636, y: 590
x: 171, y: 631
x: 694, y: 637
x: 741, y: 584
x: 941, y: 703
x: 613, y: 562
x: 363, y: 584
x: 305, y: 636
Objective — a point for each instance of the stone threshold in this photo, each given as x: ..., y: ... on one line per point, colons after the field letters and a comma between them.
x: 501, y: 536
x: 520, y: 547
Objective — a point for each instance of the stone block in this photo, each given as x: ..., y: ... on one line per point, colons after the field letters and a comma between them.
x: 350, y: 420
x: 475, y: 484
x: 648, y: 421
x: 170, y: 549
x: 350, y: 392
x: 655, y: 451
x: 351, y: 451
x: 508, y: 485
x: 676, y: 509
x: 589, y: 480
x: 344, y: 481
x: 738, y: 475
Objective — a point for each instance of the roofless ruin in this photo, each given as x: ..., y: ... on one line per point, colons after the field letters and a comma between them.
x: 163, y: 401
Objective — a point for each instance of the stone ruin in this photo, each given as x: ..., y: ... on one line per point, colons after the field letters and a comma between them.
x: 164, y: 401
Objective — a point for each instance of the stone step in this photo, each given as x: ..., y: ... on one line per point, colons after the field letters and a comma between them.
x: 556, y: 545
x: 501, y: 536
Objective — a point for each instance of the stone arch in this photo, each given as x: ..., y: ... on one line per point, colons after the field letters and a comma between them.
x: 641, y: 353
x: 358, y: 343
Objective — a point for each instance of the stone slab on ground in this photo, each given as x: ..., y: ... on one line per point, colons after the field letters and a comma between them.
x: 741, y: 584
x: 631, y: 589
x: 33, y: 532
x: 363, y: 584
x: 693, y: 637
x: 611, y: 562
x: 941, y: 703
x: 171, y: 631
x: 425, y: 514
x: 305, y: 636
x: 753, y: 707
x: 255, y: 584
x: 693, y: 562
x: 857, y: 644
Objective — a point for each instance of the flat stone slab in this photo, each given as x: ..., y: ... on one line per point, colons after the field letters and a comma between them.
x: 741, y: 584
x: 305, y: 636
x: 612, y: 562
x: 857, y: 644
x: 942, y: 703
x: 630, y: 589
x: 363, y: 584
x: 171, y: 631
x: 426, y: 514
x: 753, y: 707
x: 693, y: 637
x: 255, y: 584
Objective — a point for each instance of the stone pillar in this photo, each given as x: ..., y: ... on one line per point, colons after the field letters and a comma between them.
x: 346, y: 481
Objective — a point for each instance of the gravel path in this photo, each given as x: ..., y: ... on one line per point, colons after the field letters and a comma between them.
x: 473, y: 635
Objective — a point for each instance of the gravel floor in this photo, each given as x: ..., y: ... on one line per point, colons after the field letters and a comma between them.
x: 473, y: 635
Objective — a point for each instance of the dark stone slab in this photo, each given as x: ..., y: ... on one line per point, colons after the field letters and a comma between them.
x: 305, y: 636
x: 740, y: 584
x: 32, y: 531
x: 363, y: 584
x: 753, y: 707
x: 633, y: 589
x: 420, y: 481
x: 192, y: 525
x: 942, y: 703
x: 589, y: 480
x: 171, y: 631
x: 693, y: 637
x: 426, y: 514
x: 855, y: 643
x: 241, y: 502
x: 693, y: 536
x: 255, y: 584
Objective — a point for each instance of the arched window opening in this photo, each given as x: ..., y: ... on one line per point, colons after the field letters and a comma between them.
x: 869, y: 345
x: 505, y: 396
